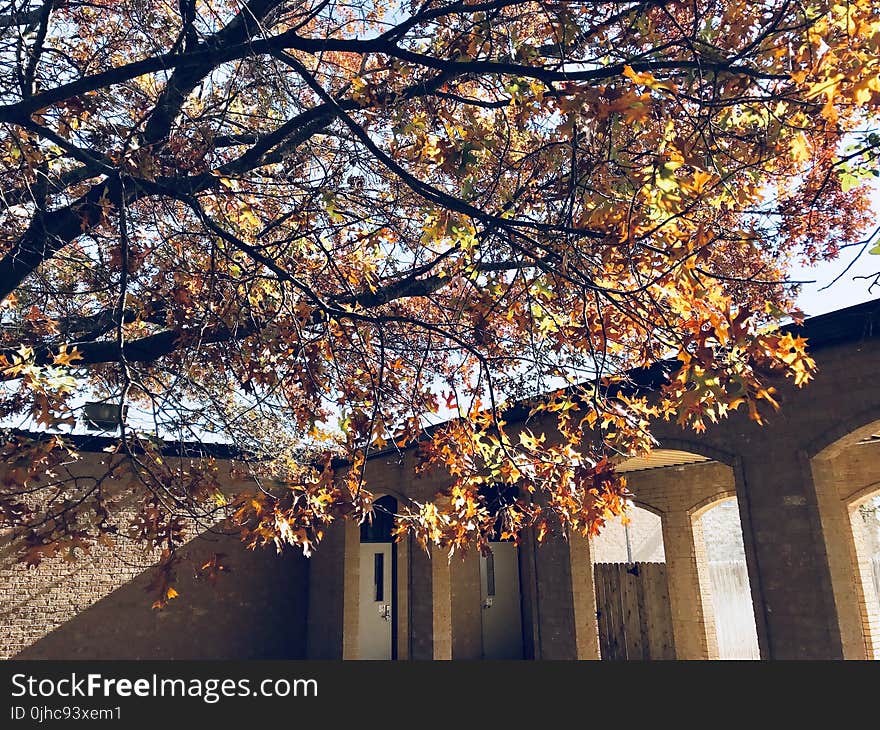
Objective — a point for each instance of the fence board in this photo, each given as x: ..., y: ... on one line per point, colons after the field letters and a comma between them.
x: 612, y: 610
x: 602, y: 614
x: 644, y: 626
x: 663, y: 615
x: 629, y: 600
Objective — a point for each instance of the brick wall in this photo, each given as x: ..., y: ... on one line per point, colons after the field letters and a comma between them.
x: 645, y: 537
x: 97, y: 607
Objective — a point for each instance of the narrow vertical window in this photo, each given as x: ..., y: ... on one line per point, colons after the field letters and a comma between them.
x: 379, y: 575
x: 490, y: 575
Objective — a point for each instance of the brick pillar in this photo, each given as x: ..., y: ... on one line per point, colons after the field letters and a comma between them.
x: 789, y: 572
x: 420, y: 604
x: 334, y: 572
x: 351, y: 597
x: 693, y: 625
x: 528, y: 586
x: 839, y: 531
x: 583, y: 593
x: 441, y: 594
x: 402, y: 597
x: 430, y: 604
x: 559, y: 603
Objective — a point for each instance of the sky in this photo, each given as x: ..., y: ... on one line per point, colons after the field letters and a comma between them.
x: 845, y: 292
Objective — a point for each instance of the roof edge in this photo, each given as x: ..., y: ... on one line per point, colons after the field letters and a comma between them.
x: 850, y: 324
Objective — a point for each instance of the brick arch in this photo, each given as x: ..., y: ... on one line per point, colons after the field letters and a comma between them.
x: 734, y: 461
x: 648, y: 507
x: 393, y: 493
x: 704, y: 505
x: 700, y: 448
x: 844, y: 433
x: 859, y: 497
x: 680, y: 499
x: 377, y: 497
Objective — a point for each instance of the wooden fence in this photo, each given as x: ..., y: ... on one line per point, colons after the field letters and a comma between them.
x: 632, y: 605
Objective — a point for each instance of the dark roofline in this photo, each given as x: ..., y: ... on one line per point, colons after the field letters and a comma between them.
x: 93, y: 443
x: 850, y: 324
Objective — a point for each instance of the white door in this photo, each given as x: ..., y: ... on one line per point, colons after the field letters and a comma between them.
x: 375, y: 600
x: 500, y: 600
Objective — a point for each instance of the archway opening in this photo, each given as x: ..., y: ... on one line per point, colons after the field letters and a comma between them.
x: 680, y: 486
x: 846, y: 476
x: 865, y: 524
x: 725, y: 576
x: 633, y: 618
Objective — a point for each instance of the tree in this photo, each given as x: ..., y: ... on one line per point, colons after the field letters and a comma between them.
x: 253, y: 219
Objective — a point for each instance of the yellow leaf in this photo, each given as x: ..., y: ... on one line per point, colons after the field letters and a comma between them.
x: 65, y: 356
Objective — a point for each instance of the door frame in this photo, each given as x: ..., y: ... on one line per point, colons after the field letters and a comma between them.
x: 365, y: 528
x: 521, y: 602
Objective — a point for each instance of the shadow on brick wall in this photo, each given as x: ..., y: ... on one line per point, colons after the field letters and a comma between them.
x: 257, y: 611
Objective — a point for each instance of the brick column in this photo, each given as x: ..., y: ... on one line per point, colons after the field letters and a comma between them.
x: 559, y: 599
x: 334, y: 572
x: 441, y: 594
x: 420, y: 604
x: 785, y: 548
x: 839, y: 532
x: 430, y: 604
x: 402, y: 597
x: 693, y: 625
x: 583, y: 593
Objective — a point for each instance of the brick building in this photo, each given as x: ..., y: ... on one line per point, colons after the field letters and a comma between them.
x: 804, y: 488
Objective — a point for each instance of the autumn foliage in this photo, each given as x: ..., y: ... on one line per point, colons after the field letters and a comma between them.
x: 315, y: 231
